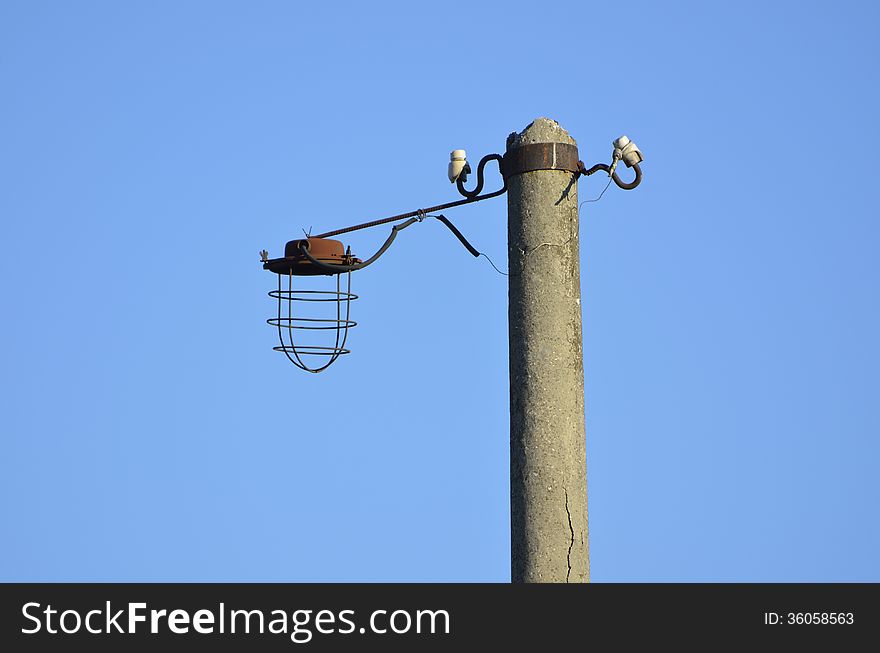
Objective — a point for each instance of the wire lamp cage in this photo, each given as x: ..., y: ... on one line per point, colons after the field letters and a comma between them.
x: 297, y: 322
x: 304, y: 313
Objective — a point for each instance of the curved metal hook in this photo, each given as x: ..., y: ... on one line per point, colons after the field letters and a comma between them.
x: 471, y: 194
x: 632, y: 184
x: 617, y: 180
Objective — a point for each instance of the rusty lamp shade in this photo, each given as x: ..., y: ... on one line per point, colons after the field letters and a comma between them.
x: 299, y: 313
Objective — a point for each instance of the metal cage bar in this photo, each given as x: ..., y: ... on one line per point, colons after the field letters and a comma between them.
x: 287, y: 322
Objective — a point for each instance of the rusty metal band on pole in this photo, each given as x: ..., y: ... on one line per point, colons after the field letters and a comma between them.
x: 540, y: 156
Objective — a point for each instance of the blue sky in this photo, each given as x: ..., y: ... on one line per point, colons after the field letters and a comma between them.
x: 148, y: 151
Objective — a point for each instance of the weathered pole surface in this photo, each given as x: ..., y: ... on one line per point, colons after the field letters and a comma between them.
x: 548, y: 475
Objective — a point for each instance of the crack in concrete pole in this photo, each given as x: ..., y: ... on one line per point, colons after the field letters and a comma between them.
x: 549, y: 538
x: 571, y: 531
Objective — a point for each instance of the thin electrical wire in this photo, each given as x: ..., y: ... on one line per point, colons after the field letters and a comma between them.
x: 596, y: 199
x: 464, y: 241
x: 493, y: 265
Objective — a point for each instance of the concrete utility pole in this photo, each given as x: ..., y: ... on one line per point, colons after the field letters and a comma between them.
x: 548, y: 471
